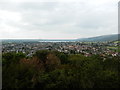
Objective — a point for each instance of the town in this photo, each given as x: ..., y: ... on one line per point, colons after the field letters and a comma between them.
x: 85, y: 48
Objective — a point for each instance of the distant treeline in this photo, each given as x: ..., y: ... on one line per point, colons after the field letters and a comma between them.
x: 53, y: 69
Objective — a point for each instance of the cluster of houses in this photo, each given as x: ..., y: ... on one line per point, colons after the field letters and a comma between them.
x: 85, y: 48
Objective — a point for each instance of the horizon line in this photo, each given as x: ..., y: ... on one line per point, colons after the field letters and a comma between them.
x: 53, y: 38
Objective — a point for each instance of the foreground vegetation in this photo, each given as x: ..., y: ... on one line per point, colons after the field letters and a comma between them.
x: 52, y: 69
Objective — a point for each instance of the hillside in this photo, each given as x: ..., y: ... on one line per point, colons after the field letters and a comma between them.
x: 112, y: 37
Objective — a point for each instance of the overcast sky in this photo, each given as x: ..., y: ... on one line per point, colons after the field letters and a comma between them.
x: 57, y: 19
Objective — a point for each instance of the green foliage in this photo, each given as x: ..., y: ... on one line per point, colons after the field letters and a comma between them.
x: 63, y: 57
x: 17, y: 76
x: 11, y: 57
x: 42, y: 55
x: 61, y: 71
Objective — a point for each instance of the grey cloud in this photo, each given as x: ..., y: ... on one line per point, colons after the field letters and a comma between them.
x: 64, y: 18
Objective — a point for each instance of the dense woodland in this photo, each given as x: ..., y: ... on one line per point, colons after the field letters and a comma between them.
x: 52, y: 69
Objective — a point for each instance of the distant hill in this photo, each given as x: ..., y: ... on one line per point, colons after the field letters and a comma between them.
x: 103, y: 38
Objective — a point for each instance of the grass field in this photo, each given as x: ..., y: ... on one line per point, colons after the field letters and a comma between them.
x: 114, y: 48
